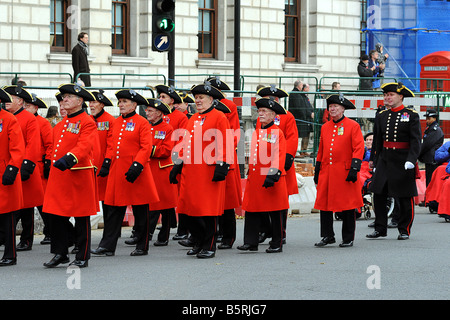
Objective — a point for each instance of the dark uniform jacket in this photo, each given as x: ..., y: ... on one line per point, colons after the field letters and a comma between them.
x: 397, y: 139
x: 433, y: 137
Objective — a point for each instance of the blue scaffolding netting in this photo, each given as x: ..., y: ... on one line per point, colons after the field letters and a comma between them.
x: 408, y: 31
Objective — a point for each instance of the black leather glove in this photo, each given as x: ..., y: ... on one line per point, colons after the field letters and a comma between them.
x: 221, y: 171
x: 104, y: 170
x: 47, y: 165
x: 134, y: 171
x: 176, y: 170
x: 354, y: 169
x: 289, y: 161
x: 27, y: 169
x: 66, y: 162
x: 272, y: 177
x: 316, y: 172
x: 352, y: 175
x: 9, y: 176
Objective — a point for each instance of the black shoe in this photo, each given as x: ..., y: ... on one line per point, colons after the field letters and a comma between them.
x: 225, y: 246
x: 79, y: 263
x: 7, y: 262
x: 346, y: 244
x: 57, y: 260
x: 139, y: 252
x: 376, y: 234
x: 371, y: 225
x: 247, y: 247
x: 274, y: 250
x: 403, y: 236
x: 187, y: 243
x: 102, y: 252
x: 23, y: 246
x: 262, y: 237
x: 193, y: 251
x: 131, y: 241
x: 161, y: 243
x: 325, y: 241
x: 180, y: 237
x: 46, y: 240
x: 205, y: 254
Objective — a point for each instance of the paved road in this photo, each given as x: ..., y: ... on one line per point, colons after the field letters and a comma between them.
x: 371, y: 270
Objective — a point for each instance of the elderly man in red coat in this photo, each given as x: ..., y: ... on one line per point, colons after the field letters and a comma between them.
x: 12, y: 150
x: 72, y: 178
x: 46, y: 133
x: 266, y: 189
x: 339, y: 158
x: 33, y: 191
x: 160, y: 165
x: 130, y: 180
x: 203, y: 166
x: 104, y: 122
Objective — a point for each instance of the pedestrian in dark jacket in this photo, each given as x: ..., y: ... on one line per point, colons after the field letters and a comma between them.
x: 365, y: 72
x: 303, y: 112
x: 433, y: 138
x: 80, y: 61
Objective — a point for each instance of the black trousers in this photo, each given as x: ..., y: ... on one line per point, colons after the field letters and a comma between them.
x: 27, y: 217
x: 113, y: 226
x: 227, y: 226
x: 8, y: 227
x: 348, y: 224
x: 183, y: 222
x: 255, y: 221
x: 60, y: 235
x: 204, y: 231
x: 166, y: 221
x: 405, y: 213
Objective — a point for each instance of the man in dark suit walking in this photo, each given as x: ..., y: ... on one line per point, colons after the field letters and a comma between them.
x: 80, y: 62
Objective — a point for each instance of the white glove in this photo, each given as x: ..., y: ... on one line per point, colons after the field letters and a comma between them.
x: 409, y: 165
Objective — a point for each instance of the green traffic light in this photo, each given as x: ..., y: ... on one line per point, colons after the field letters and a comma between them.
x: 166, y: 25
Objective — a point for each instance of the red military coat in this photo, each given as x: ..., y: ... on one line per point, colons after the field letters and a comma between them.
x: 46, y: 131
x: 12, y: 151
x: 287, y: 124
x: 339, y: 144
x: 268, y: 150
x: 161, y: 164
x: 233, y: 187
x: 73, y: 192
x: 202, y: 146
x: 33, y: 191
x: 177, y: 120
x: 131, y: 141
x: 104, y: 123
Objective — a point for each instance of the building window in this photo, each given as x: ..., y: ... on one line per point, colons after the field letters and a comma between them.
x: 207, y: 28
x: 120, y: 26
x: 292, y: 31
x: 59, y: 33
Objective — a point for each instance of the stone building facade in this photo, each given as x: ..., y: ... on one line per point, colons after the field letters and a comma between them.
x: 328, y: 33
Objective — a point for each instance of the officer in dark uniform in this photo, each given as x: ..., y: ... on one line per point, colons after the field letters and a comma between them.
x: 396, y: 147
x: 433, y: 137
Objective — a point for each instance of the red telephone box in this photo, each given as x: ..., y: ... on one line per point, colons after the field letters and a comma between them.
x: 435, y: 65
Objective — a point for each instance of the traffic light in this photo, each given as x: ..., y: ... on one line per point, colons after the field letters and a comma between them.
x: 163, y: 24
